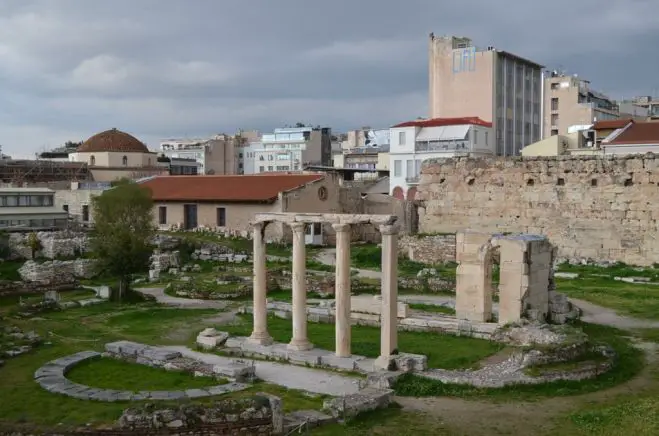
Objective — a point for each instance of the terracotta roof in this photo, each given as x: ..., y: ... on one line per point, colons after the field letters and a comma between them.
x: 440, y: 122
x: 245, y: 188
x: 638, y: 133
x: 612, y: 124
x: 113, y: 140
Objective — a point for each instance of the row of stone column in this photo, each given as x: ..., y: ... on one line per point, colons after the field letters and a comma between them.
x: 300, y: 340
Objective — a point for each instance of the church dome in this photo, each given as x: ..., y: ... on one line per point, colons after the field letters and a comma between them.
x: 113, y: 141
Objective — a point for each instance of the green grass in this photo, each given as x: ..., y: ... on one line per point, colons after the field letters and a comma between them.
x: 630, y: 363
x: 108, y: 373
x: 637, y: 300
x: 369, y: 256
x: 443, y: 350
x: 392, y: 421
x: 433, y: 308
x: 237, y: 244
x: 9, y: 270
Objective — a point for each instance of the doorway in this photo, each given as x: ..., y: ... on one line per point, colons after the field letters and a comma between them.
x: 189, y: 216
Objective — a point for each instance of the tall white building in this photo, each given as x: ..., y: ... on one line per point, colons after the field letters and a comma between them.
x: 413, y: 142
x: 291, y: 149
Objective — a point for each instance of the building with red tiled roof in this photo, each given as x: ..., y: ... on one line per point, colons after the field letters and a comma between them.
x: 230, y: 202
x: 634, y: 138
x: 412, y: 142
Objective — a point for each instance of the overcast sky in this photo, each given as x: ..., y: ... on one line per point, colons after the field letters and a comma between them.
x: 177, y: 68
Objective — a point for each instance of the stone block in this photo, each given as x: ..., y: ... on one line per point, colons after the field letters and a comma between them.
x: 407, y: 362
x: 352, y: 405
x: 374, y: 306
x: 235, y: 369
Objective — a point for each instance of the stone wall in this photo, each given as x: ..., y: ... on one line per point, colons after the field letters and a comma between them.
x: 430, y: 249
x: 54, y: 244
x: 599, y: 209
x: 57, y: 271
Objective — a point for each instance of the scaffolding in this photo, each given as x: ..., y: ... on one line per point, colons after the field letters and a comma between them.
x: 19, y: 172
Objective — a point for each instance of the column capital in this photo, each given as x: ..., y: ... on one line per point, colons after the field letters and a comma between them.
x: 389, y: 229
x: 341, y: 227
x: 298, y: 227
x: 259, y: 225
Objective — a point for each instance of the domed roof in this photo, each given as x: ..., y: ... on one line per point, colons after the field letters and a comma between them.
x: 113, y: 141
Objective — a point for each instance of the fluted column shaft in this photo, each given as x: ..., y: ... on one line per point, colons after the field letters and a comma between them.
x: 260, y: 333
x: 299, y: 341
x: 388, y: 318
x: 342, y: 290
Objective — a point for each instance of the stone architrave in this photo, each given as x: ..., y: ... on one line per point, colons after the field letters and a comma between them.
x: 342, y: 290
x: 260, y: 333
x: 388, y: 316
x: 299, y: 342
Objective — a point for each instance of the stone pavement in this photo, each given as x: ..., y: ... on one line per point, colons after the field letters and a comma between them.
x: 183, y: 303
x: 289, y: 376
x: 52, y: 377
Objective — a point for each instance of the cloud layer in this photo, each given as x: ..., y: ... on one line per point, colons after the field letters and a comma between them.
x: 163, y: 68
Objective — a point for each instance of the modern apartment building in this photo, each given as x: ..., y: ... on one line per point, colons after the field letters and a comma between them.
x: 30, y: 209
x: 491, y: 84
x: 413, y: 142
x: 291, y: 149
x: 651, y: 104
x: 215, y: 155
x: 571, y: 102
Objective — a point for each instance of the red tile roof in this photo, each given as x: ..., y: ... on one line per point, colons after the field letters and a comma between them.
x: 638, y: 133
x: 440, y: 122
x: 245, y: 188
x: 612, y: 124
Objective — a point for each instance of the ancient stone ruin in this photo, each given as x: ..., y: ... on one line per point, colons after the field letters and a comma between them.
x: 525, y: 282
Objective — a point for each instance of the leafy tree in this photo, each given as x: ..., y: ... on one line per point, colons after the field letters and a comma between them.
x: 34, y: 244
x: 123, y: 232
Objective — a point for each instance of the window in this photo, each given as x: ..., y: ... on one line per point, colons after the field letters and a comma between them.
x: 240, y: 155
x: 269, y: 168
x: 92, y: 161
x: 65, y: 208
x: 221, y: 217
x: 417, y: 167
x: 554, y: 132
x: 261, y: 169
x: 409, y: 168
x: 124, y: 161
x: 486, y: 138
x: 261, y: 157
x: 554, y: 104
x: 554, y: 86
x: 398, y: 168
x: 162, y: 215
x: 554, y: 119
x: 85, y: 213
x: 475, y: 136
x: 401, y: 138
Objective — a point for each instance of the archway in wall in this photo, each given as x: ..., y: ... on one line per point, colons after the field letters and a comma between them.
x: 398, y: 193
x: 411, y: 194
x: 492, y: 261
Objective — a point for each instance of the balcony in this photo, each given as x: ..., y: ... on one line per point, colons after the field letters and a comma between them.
x: 441, y: 146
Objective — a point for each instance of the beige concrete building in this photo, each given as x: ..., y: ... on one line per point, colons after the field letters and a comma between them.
x: 216, y: 155
x: 30, y: 209
x: 570, y: 102
x: 230, y: 202
x: 491, y: 84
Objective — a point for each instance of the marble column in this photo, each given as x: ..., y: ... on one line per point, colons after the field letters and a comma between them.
x: 299, y: 342
x: 260, y: 333
x: 388, y: 316
x: 342, y: 290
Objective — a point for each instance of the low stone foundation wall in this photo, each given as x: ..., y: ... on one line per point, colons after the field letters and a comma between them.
x: 9, y: 288
x: 57, y: 271
x: 430, y: 249
x: 54, y: 244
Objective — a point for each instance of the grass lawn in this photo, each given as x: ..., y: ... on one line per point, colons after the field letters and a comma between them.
x: 369, y: 256
x: 433, y: 308
x: 108, y: 373
x: 22, y: 400
x: 637, y: 300
x: 443, y: 351
x: 630, y: 362
x: 9, y: 270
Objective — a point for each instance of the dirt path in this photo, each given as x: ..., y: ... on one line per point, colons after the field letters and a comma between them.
x: 601, y: 315
x: 483, y: 418
x: 182, y: 303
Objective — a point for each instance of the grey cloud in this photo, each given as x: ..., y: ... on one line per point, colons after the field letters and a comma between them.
x: 175, y: 67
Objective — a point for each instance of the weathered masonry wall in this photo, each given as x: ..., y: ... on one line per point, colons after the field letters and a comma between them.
x: 603, y: 209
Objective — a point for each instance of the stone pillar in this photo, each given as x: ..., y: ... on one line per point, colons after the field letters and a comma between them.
x: 260, y: 333
x: 388, y: 316
x: 300, y: 342
x: 342, y: 290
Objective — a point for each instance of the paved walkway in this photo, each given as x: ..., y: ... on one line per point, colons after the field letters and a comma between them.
x: 289, y: 376
x: 601, y: 315
x: 183, y: 303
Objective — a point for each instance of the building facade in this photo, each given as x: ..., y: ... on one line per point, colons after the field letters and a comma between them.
x: 415, y: 141
x: 291, y: 149
x: 493, y: 85
x: 570, y: 101
x: 30, y: 209
x: 649, y: 104
x: 216, y: 155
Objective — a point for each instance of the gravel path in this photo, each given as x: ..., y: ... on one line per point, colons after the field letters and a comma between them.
x: 601, y: 315
x: 289, y: 376
x: 183, y: 303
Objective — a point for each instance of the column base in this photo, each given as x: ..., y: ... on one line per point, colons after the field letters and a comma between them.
x: 300, y: 345
x: 343, y: 355
x: 385, y: 363
x: 261, y: 338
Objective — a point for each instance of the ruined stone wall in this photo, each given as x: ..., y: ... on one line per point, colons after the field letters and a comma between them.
x: 430, y: 249
x: 57, y: 271
x: 601, y: 209
x: 54, y: 244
